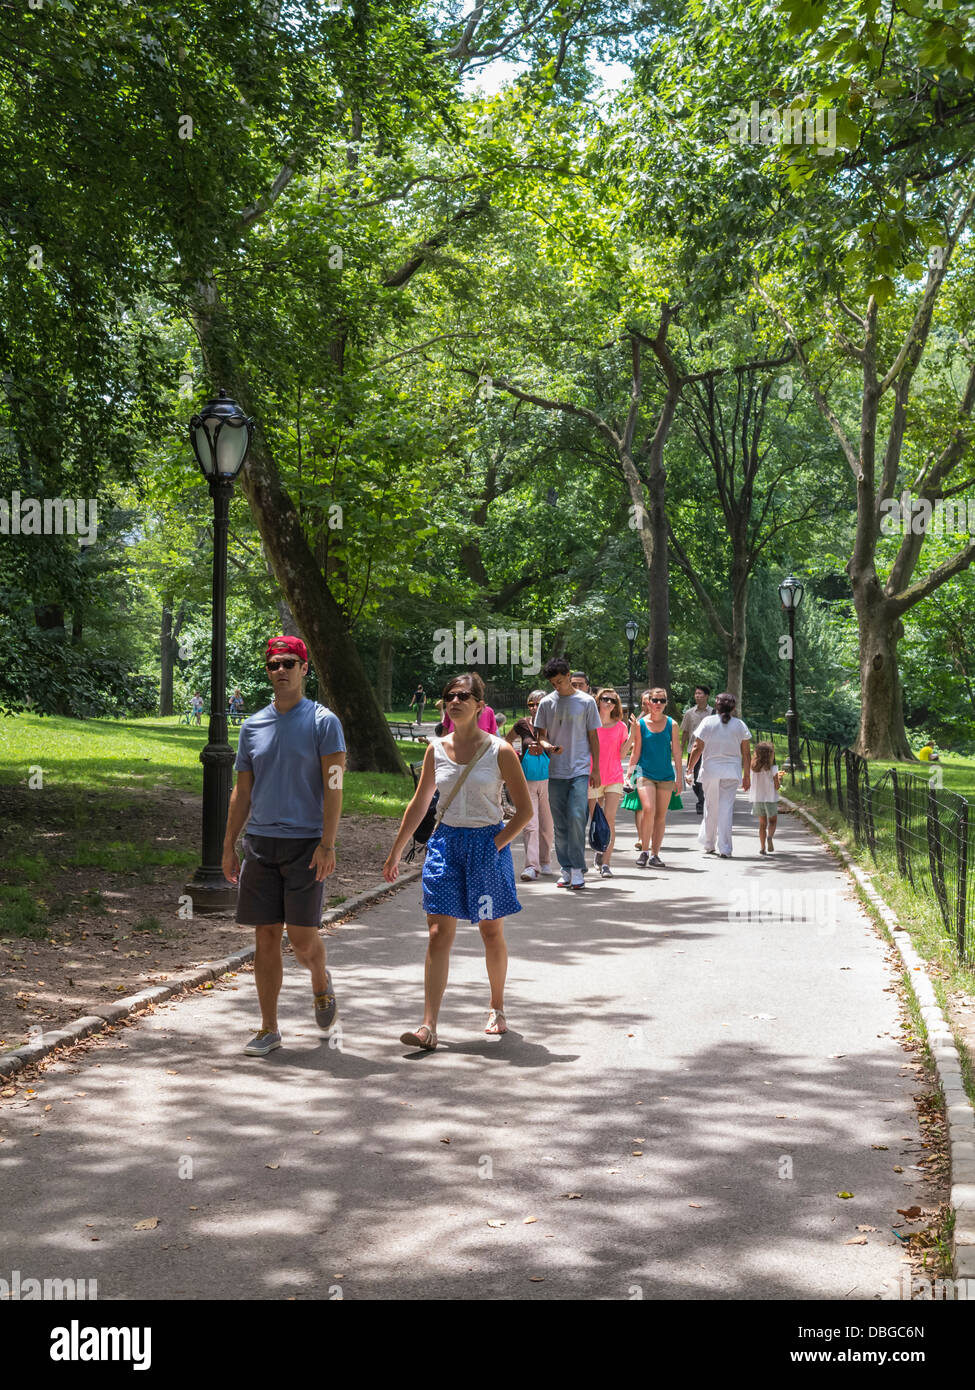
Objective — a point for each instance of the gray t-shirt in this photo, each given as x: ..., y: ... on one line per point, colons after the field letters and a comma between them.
x: 567, y: 720
x: 284, y: 752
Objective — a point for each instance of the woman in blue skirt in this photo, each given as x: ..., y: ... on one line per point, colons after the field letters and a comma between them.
x: 468, y: 871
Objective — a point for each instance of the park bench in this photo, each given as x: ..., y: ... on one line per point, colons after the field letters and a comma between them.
x: 416, y: 732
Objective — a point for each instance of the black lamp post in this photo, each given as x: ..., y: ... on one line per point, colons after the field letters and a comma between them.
x: 631, y: 631
x: 220, y: 435
x: 790, y: 592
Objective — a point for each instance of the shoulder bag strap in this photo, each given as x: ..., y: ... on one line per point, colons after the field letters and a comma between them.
x: 443, y: 806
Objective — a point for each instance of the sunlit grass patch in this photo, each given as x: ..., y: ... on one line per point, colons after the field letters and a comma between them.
x: 22, y: 912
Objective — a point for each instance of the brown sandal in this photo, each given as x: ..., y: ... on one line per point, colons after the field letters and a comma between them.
x: 414, y: 1040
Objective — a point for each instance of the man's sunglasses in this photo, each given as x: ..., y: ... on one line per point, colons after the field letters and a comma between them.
x: 287, y: 662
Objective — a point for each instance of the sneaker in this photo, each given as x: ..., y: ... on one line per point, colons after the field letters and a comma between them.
x: 642, y: 857
x: 326, y: 1009
x: 605, y: 871
x: 563, y: 880
x: 578, y: 879
x: 656, y: 862
x: 529, y: 875
x: 599, y: 859
x: 263, y: 1042
x: 546, y: 869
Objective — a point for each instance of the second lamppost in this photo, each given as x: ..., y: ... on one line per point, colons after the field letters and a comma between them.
x: 631, y: 630
x: 220, y: 435
x: 790, y: 592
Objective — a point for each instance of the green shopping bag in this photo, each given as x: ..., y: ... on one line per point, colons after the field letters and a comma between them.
x: 675, y: 802
x: 631, y: 801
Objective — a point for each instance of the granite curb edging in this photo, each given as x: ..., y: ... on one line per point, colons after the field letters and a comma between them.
x: 958, y: 1108
x: 112, y: 1012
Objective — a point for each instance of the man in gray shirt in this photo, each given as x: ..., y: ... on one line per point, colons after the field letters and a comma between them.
x: 688, y: 728
x: 570, y: 720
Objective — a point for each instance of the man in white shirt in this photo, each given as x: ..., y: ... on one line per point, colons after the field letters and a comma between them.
x: 688, y: 728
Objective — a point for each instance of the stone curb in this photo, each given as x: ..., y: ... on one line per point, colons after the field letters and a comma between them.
x: 104, y: 1014
x: 958, y: 1109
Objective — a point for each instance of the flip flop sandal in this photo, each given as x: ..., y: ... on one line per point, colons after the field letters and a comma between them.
x: 428, y: 1043
x: 493, y: 1017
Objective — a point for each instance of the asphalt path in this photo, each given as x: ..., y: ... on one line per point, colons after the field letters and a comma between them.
x: 699, y: 1060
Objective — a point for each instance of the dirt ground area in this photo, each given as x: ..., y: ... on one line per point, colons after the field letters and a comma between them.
x: 113, y: 932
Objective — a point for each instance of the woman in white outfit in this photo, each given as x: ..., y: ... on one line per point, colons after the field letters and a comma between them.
x: 724, y: 744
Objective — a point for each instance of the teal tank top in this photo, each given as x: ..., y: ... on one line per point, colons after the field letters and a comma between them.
x: 656, y: 760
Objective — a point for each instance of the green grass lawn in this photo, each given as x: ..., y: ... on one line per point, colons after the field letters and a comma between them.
x: 958, y: 774
x: 113, y: 756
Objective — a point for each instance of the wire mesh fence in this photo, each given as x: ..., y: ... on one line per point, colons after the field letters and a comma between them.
x: 909, y: 822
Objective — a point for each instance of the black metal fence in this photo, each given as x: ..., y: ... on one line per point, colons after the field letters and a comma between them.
x: 909, y: 822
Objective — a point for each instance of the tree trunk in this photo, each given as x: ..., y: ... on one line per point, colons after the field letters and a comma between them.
x: 384, y: 677
x: 340, y: 672
x: 658, y: 583
x: 882, y: 707
x: 167, y: 653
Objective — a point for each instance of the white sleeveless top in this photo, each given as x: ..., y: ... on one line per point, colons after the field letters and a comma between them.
x: 479, y: 800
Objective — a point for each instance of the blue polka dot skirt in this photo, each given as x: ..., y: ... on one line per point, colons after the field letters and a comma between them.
x: 466, y: 876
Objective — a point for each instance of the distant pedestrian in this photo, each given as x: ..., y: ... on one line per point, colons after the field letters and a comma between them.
x: 657, y: 757
x: 569, y: 720
x: 419, y: 699
x: 766, y: 781
x: 535, y: 753
x: 196, y: 705
x: 613, y: 735
x: 236, y: 706
x: 468, y: 871
x: 290, y: 761
x: 692, y: 718
x: 580, y: 682
x: 722, y: 742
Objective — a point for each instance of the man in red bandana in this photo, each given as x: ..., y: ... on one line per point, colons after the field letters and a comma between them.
x: 290, y: 763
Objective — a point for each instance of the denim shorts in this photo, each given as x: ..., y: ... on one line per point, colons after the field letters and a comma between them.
x: 277, y: 884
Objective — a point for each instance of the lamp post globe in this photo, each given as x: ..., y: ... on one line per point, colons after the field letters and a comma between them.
x: 220, y: 435
x: 631, y: 629
x: 790, y: 596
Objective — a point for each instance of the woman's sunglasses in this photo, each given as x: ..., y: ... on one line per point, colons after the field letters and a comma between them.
x: 287, y: 662
x: 655, y: 700
x: 458, y: 695
x: 606, y: 700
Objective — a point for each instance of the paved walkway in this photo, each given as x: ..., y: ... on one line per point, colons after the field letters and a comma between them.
x: 704, y: 1080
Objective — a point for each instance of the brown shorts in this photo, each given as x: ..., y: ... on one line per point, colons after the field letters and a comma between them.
x: 276, y: 884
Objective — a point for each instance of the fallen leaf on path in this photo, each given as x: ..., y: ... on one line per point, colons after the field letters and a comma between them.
x: 697, y: 1205
x: 536, y: 1279
x: 898, y: 1169
x: 149, y: 1224
x: 637, y: 1153
x: 571, y: 1194
x: 497, y: 1223
x: 866, y: 1228
x: 172, y: 1073
x: 529, y: 1220
x: 316, y: 1131
x: 879, y: 1146
x: 856, y: 1240
x: 445, y: 1141
x: 844, y: 1195
x: 272, y: 1165
x: 10, y: 1091
x: 911, y: 1213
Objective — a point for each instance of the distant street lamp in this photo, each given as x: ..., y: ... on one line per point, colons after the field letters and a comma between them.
x: 220, y: 435
x: 790, y: 592
x: 631, y: 631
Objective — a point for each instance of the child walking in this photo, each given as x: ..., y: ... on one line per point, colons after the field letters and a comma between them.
x: 766, y: 781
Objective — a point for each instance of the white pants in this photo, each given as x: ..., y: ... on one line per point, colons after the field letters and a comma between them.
x: 719, y: 807
x: 538, y: 833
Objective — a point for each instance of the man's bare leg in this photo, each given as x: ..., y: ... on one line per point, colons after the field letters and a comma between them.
x: 268, y: 973
x: 309, y: 949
